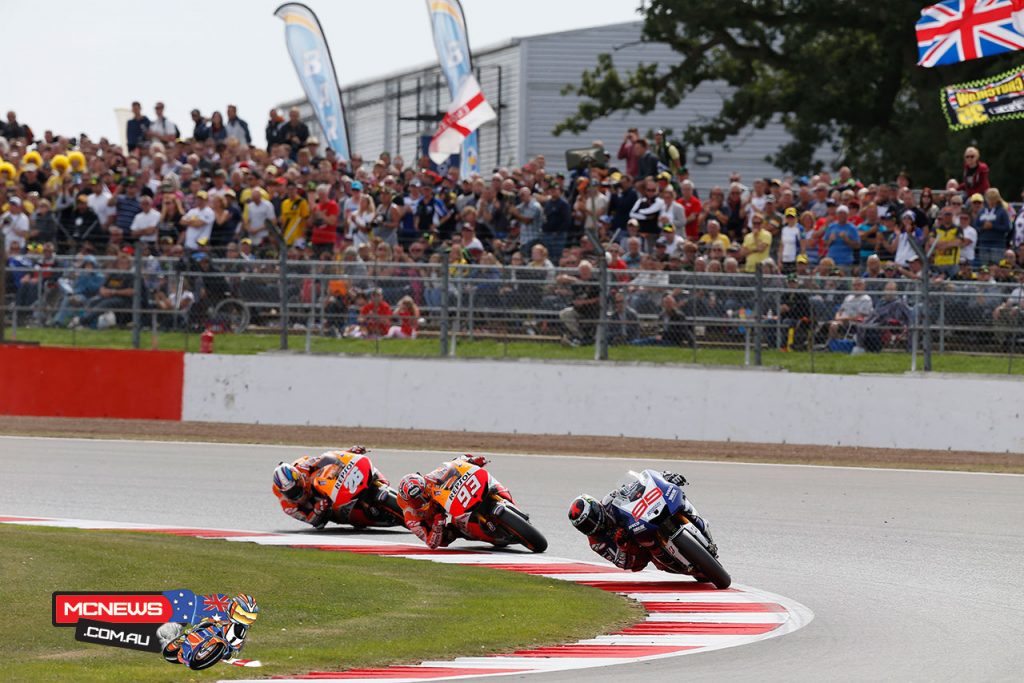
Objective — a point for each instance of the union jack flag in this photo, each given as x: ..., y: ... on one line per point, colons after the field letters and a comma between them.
x: 958, y: 30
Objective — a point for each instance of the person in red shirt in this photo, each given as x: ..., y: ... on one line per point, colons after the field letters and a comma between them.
x: 408, y: 319
x: 376, y: 315
x: 325, y: 219
x: 975, y: 173
x: 691, y: 204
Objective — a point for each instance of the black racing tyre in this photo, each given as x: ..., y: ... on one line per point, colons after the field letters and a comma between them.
x: 711, y: 568
x: 209, y: 657
x: 521, y: 530
x: 392, y: 509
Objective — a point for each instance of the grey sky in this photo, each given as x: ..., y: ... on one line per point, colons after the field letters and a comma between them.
x: 83, y: 59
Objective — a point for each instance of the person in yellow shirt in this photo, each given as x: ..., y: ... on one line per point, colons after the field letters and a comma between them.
x: 757, y: 244
x: 713, y: 235
x: 294, y: 215
x: 947, y: 240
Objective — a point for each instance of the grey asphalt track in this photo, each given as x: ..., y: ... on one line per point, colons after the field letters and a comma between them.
x: 912, y: 576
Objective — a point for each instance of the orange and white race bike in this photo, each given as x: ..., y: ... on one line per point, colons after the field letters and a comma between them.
x: 472, y: 502
x: 358, y: 497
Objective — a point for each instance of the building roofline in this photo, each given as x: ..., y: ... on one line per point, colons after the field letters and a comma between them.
x: 487, y: 50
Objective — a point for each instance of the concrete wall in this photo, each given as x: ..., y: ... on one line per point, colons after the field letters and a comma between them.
x: 936, y: 412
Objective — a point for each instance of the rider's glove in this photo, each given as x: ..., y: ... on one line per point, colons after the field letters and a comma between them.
x: 477, y: 460
x: 436, y: 534
x: 673, y: 478
x: 358, y: 450
x: 321, y: 505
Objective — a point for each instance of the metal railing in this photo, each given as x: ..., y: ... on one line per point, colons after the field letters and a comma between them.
x: 491, y: 309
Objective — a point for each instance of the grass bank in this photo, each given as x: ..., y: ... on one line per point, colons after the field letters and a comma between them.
x: 319, y: 610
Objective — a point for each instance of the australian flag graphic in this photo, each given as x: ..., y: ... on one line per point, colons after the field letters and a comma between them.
x: 192, y: 608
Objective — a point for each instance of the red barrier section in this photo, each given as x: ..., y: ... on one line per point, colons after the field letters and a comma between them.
x: 60, y: 382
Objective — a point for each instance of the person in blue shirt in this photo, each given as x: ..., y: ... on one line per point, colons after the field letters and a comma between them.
x: 557, y: 222
x: 843, y: 240
x: 993, y: 225
x: 138, y: 126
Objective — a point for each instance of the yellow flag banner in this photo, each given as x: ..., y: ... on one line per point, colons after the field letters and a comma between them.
x: 996, y: 98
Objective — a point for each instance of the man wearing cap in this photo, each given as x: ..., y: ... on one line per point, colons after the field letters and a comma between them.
x: 672, y: 240
x: 647, y: 210
x: 198, y: 223
x: 15, y: 222
x: 790, y: 242
x: 757, y: 244
x: 946, y: 242
x: 78, y: 220
x: 669, y: 155
x: 842, y: 240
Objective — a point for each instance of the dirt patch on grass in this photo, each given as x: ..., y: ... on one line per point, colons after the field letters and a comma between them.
x: 520, y: 443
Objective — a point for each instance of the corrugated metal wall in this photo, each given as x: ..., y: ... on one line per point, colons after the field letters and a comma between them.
x: 533, y: 104
x: 556, y: 59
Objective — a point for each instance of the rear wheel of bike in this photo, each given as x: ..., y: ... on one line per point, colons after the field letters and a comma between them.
x: 711, y: 568
x: 392, y: 509
x: 521, y: 530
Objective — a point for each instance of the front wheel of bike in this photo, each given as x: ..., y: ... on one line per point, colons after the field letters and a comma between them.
x: 521, y: 530
x: 698, y: 555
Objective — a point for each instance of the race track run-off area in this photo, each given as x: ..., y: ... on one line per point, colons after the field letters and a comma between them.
x: 911, y: 575
x: 683, y: 616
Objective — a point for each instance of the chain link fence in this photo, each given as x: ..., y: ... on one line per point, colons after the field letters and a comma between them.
x: 446, y: 307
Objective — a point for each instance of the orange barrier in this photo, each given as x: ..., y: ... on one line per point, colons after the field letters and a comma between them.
x: 61, y: 382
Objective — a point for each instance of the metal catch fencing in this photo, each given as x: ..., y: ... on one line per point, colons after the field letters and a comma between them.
x: 451, y: 308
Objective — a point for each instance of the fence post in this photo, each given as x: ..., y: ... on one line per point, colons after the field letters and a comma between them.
x: 3, y: 287
x: 137, y: 297
x: 926, y: 314
x: 282, y: 290
x: 444, y: 303
x: 311, y: 318
x: 601, y: 342
x: 758, y: 311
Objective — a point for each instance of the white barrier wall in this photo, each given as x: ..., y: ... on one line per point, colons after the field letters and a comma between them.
x: 934, y: 412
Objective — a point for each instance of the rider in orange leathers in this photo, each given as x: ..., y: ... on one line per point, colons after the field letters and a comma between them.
x: 426, y: 518
x: 293, y: 486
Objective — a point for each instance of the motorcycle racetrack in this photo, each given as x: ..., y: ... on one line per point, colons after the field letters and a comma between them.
x: 911, y: 575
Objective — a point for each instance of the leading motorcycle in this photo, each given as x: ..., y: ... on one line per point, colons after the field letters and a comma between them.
x: 653, y: 511
x: 468, y: 494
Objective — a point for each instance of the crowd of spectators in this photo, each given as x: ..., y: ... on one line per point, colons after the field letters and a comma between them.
x: 205, y: 190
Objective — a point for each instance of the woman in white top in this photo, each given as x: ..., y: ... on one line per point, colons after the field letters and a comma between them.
x: 791, y: 242
x: 360, y: 221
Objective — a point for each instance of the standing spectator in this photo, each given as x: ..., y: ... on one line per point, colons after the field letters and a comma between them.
x: 843, y: 240
x: 591, y: 204
x: 993, y: 224
x: 162, y: 128
x: 946, y: 240
x: 580, y: 318
x: 692, y: 206
x: 12, y: 130
x: 668, y: 153
x: 145, y: 224
x: 237, y: 128
x: 200, y: 128
x: 757, y: 245
x: 294, y: 132
x: 218, y: 132
x: 273, y: 129
x: 137, y: 128
x: 621, y: 203
x: 975, y: 178
x: 970, y: 237
x: 557, y: 222
x: 295, y: 215
x: 529, y: 218
x: 630, y: 152
x: 15, y: 223
x: 198, y: 223
x: 647, y: 163
x: 790, y: 242
x: 125, y: 201
x: 646, y: 212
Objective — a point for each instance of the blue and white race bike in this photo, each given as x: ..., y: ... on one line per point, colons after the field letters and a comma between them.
x: 656, y: 514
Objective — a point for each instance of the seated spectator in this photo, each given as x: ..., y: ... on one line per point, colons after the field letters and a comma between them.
x: 375, y: 315
x: 675, y: 330
x: 890, y: 319
x: 408, y: 320
x: 115, y: 295
x: 623, y: 321
x: 580, y: 318
x: 856, y: 308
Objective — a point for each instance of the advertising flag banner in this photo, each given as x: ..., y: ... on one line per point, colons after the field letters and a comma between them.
x: 312, y: 60
x: 452, y: 42
x: 997, y: 98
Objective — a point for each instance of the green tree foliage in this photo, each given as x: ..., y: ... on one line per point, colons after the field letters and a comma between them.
x: 841, y: 75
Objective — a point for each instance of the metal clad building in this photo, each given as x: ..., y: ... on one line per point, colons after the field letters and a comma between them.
x: 523, y: 79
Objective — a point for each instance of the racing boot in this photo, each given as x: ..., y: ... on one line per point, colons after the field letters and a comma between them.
x: 705, y: 528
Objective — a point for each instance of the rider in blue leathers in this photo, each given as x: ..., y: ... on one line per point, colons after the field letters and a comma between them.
x: 596, y: 520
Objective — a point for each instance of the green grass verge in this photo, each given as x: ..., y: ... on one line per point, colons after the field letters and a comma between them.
x: 319, y: 610
x: 830, y: 363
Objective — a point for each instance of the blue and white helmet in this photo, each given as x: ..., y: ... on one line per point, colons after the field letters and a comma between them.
x: 289, y: 481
